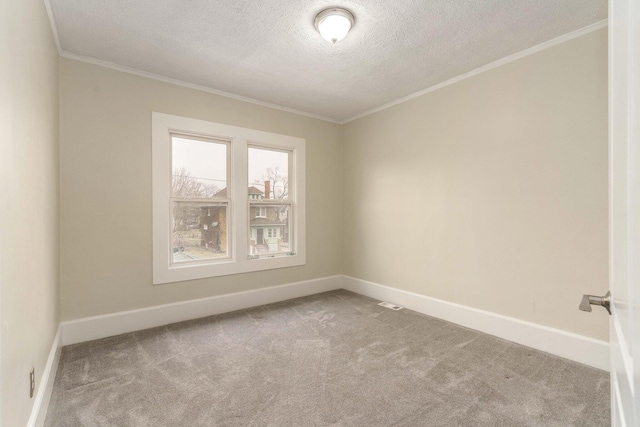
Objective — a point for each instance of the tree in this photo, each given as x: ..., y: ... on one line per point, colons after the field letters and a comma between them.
x: 186, y: 186
x: 279, y: 183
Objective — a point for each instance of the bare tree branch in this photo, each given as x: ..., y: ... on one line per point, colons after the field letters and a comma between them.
x: 279, y: 183
x: 184, y: 185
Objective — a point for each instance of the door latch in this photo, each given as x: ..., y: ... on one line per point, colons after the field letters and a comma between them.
x: 589, y: 300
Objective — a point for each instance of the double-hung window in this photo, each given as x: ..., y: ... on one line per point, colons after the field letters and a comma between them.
x: 261, y: 212
x: 226, y: 199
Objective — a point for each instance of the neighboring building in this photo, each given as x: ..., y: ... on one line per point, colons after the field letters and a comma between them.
x: 268, y: 225
x: 255, y: 193
x: 213, y: 228
x: 213, y: 222
x: 200, y: 230
x: 266, y: 229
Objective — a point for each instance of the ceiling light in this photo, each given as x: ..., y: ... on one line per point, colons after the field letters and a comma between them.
x: 334, y: 23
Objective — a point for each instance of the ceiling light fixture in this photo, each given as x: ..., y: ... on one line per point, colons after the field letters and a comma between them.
x: 334, y: 23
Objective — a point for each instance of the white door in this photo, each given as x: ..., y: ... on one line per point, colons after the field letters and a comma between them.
x: 624, y: 146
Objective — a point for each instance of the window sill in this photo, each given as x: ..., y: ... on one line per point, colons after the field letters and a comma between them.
x: 179, y: 273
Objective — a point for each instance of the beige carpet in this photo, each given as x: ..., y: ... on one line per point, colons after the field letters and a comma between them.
x: 333, y: 359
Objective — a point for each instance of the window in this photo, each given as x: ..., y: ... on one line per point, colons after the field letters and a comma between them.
x: 226, y: 200
x: 268, y: 172
x: 198, y: 199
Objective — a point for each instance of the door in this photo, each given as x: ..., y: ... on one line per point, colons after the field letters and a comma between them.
x: 260, y: 239
x: 624, y: 158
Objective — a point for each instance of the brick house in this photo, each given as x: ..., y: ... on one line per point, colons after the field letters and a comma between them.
x: 268, y: 225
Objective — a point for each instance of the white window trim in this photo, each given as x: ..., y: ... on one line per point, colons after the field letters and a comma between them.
x: 238, y: 262
x: 259, y: 210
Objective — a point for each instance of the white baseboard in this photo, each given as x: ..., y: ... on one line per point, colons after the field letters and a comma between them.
x: 91, y: 328
x: 561, y: 343
x: 571, y: 346
x: 41, y: 404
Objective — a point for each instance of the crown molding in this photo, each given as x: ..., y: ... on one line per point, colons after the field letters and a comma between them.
x: 530, y: 51
x: 514, y: 57
x: 177, y: 82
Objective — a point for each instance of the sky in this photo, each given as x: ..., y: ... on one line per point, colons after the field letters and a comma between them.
x: 206, y: 161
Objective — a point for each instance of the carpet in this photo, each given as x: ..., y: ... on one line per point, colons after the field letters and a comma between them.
x: 331, y: 359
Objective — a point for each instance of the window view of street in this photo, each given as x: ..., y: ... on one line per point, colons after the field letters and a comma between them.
x: 269, y: 221
x: 269, y: 234
x: 199, y: 201
x: 199, y: 231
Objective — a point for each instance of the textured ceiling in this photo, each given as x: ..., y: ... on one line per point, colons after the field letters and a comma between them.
x: 269, y: 50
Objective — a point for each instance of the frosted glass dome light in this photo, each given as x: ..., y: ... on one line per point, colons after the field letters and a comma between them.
x: 334, y: 23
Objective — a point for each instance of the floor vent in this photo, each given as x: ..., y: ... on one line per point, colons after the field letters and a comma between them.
x: 389, y: 305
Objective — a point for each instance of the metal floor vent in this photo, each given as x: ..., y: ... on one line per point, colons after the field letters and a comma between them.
x: 391, y: 306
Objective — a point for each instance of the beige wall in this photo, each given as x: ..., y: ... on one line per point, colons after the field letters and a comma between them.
x: 105, y: 198
x: 491, y: 192
x: 28, y: 201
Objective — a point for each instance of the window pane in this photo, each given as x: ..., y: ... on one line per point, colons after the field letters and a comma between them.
x: 199, y: 168
x: 199, y: 231
x: 268, y: 174
x: 269, y: 229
